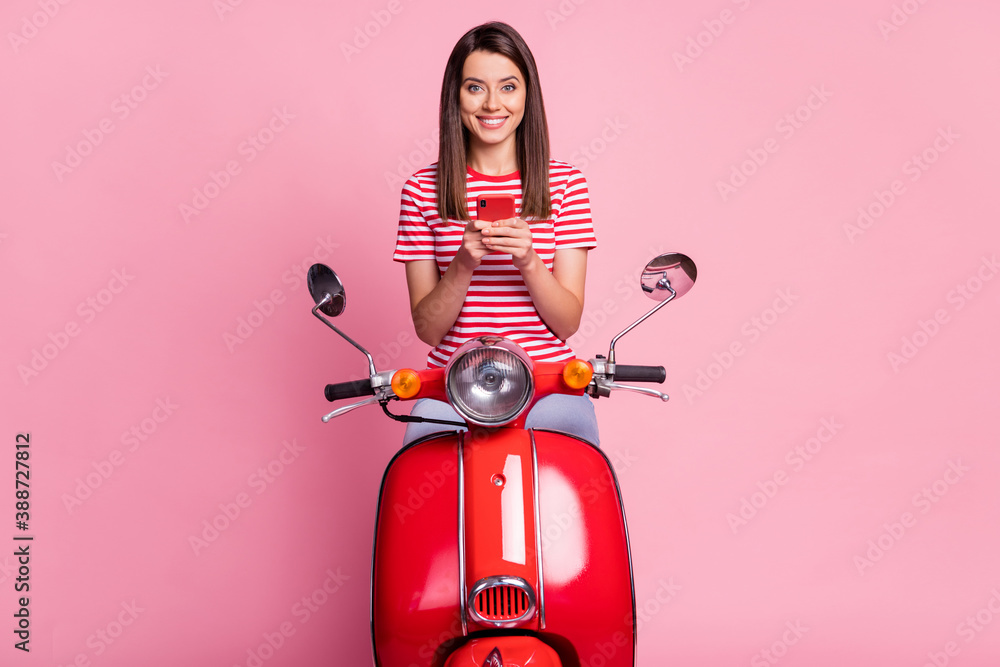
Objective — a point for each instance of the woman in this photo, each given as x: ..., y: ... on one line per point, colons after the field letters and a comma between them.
x: 523, y: 277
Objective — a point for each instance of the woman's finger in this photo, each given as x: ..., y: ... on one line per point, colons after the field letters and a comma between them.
x: 508, y: 232
x: 501, y: 243
x: 513, y: 223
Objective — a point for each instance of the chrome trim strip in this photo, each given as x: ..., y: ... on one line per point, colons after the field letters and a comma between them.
x: 463, y: 607
x: 371, y: 577
x: 538, y: 533
x: 628, y: 549
x: 490, y: 582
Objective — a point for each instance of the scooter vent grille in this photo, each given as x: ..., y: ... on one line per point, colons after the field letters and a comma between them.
x: 502, y: 603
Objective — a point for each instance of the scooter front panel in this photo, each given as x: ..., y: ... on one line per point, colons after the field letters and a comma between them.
x: 426, y: 540
x: 416, y: 609
x: 586, y: 567
x: 501, y: 560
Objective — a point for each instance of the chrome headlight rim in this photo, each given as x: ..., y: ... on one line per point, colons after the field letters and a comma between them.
x: 496, y: 343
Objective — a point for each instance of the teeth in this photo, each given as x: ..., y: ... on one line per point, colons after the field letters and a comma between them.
x: 493, y: 121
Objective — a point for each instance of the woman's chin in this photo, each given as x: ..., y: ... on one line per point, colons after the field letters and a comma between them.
x: 490, y: 140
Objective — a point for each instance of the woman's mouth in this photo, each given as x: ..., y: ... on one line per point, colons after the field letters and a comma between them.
x: 491, y: 122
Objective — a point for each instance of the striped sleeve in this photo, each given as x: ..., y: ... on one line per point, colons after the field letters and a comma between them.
x: 414, y: 237
x: 574, y: 227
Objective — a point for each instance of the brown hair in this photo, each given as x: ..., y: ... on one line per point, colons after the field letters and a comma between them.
x: 531, y: 136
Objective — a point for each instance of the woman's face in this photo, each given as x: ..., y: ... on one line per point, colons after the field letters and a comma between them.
x: 492, y: 98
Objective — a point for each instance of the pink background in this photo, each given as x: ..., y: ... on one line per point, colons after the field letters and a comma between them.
x: 655, y: 135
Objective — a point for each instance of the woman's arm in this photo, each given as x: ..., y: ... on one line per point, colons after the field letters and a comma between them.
x: 435, y: 302
x: 557, y: 295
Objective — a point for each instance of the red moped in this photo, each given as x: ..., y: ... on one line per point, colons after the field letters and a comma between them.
x: 501, y: 546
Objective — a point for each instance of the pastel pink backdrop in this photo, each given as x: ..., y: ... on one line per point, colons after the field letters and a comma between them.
x: 863, y: 348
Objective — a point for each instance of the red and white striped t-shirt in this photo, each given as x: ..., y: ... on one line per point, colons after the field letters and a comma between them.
x: 497, y: 302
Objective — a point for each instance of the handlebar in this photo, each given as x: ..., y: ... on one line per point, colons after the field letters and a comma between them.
x: 351, y: 389
x: 623, y: 373
x: 640, y: 373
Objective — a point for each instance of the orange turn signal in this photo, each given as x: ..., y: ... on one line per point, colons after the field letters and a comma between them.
x: 577, y: 373
x: 406, y: 383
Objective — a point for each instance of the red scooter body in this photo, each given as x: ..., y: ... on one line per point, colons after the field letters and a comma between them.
x: 538, y: 508
x: 501, y: 546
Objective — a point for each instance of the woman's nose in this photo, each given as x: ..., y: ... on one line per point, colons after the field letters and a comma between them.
x: 492, y: 101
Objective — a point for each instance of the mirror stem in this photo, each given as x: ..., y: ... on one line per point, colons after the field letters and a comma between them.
x: 315, y: 311
x: 611, y: 352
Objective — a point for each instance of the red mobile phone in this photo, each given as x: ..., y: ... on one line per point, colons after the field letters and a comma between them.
x: 495, y: 207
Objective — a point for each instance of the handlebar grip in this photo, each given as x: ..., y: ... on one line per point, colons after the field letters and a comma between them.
x: 351, y: 389
x: 640, y: 373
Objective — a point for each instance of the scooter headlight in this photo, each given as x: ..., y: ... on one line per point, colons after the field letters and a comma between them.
x: 489, y: 381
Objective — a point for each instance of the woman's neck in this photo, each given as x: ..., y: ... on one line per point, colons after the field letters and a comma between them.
x: 493, y: 160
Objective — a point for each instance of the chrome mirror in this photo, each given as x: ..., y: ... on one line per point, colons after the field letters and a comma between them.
x: 670, y: 272
x: 665, y: 278
x: 328, y: 293
x: 326, y: 290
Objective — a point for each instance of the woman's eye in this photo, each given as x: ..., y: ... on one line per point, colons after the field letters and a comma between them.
x: 509, y: 87
x: 474, y: 88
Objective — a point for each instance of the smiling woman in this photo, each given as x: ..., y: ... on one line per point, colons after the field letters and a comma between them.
x: 520, y: 277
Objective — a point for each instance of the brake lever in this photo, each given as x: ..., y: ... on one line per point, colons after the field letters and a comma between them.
x: 642, y: 390
x: 347, y: 408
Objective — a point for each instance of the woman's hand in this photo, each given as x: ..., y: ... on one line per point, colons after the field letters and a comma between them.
x: 471, y: 254
x: 556, y: 294
x: 512, y: 236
